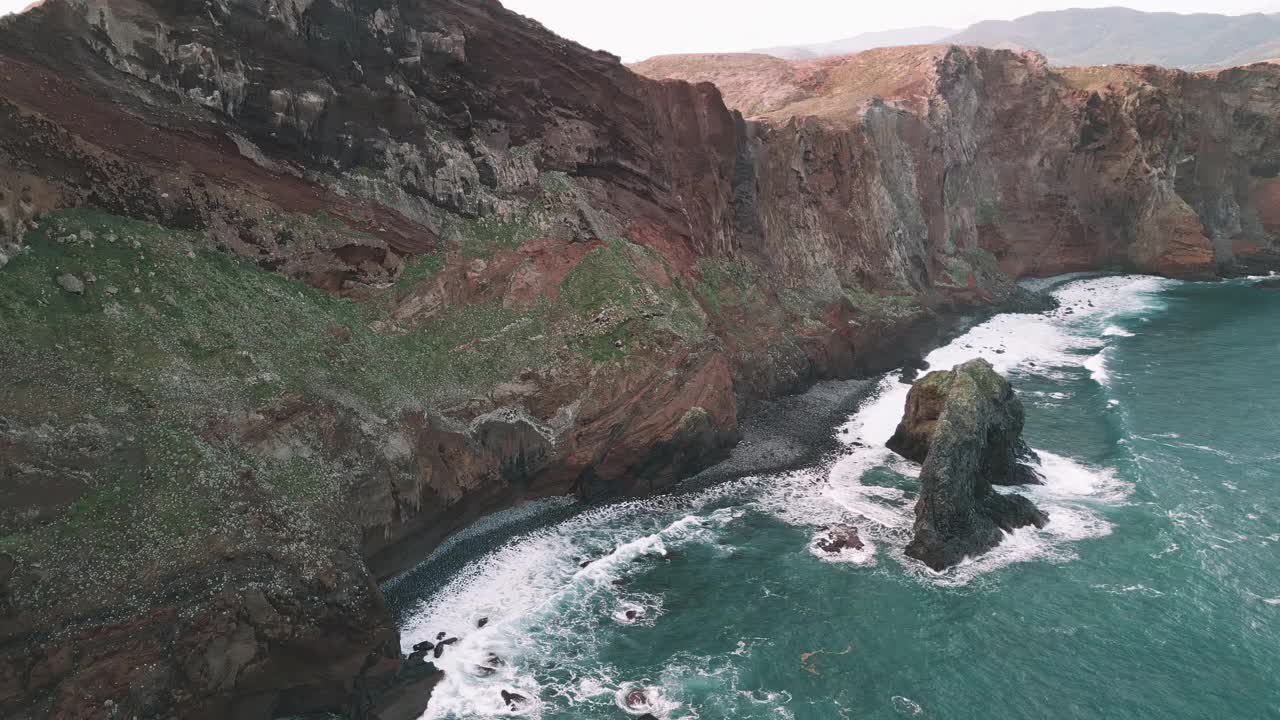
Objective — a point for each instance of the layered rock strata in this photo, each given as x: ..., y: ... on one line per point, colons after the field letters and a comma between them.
x: 291, y: 292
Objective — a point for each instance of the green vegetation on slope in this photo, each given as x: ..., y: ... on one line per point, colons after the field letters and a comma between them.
x: 189, y: 380
x: 624, y: 295
x: 128, y: 399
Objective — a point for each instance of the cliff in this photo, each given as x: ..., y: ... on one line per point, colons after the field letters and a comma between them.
x: 292, y: 292
x: 988, y: 154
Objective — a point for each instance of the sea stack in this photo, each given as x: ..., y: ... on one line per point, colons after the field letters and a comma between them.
x: 965, y: 426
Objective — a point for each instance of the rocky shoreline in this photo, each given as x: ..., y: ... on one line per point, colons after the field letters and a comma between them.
x: 291, y: 297
x: 778, y: 435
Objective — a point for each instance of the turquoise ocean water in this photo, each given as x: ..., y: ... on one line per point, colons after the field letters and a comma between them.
x: 1154, y: 592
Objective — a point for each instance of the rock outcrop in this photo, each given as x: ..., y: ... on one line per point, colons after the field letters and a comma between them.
x: 357, y: 274
x: 965, y: 427
x: 998, y: 411
x: 838, y: 538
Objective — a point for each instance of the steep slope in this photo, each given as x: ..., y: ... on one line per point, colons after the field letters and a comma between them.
x: 924, y: 35
x: 1104, y: 36
x: 292, y: 293
x: 1041, y: 170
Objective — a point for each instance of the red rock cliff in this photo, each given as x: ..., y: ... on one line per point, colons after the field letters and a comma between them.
x: 975, y: 150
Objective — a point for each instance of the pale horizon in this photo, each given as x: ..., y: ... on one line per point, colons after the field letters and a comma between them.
x: 636, y: 31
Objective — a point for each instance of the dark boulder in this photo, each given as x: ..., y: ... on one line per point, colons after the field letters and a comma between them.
x: 835, y: 538
x: 965, y: 426
x: 440, y: 646
x: 514, y: 700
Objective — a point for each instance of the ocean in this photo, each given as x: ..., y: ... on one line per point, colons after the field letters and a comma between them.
x: 1153, y: 592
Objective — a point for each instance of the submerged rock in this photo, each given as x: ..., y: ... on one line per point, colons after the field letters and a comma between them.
x: 965, y: 426
x: 1268, y: 284
x: 513, y: 700
x: 836, y: 538
x: 636, y: 698
x: 490, y: 665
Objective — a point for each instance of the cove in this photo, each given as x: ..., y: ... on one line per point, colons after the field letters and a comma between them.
x: 1153, y: 591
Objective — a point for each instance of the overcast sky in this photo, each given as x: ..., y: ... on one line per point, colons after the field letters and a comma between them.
x: 640, y: 29
x: 637, y: 29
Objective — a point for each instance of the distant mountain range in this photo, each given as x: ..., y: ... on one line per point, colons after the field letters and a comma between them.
x: 1102, y: 36
x: 865, y: 41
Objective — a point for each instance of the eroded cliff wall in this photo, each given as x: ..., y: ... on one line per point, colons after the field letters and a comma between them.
x: 971, y: 150
x: 290, y: 292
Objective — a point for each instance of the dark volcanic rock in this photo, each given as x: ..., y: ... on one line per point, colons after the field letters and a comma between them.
x: 408, y: 694
x: 836, y: 538
x: 440, y: 646
x: 513, y: 700
x: 965, y: 426
x: 1004, y: 453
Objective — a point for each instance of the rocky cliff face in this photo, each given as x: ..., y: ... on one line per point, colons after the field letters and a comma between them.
x: 293, y: 291
x: 965, y: 428
x: 976, y: 154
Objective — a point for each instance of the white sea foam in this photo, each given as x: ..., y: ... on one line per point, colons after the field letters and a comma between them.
x: 637, y: 699
x: 906, y: 706
x: 524, y: 512
x: 1045, y: 345
x: 1116, y: 331
x: 1272, y: 601
x: 1228, y: 457
x: 1068, y: 480
x: 638, y: 609
x: 1097, y: 367
x: 569, y: 568
x: 1128, y: 589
